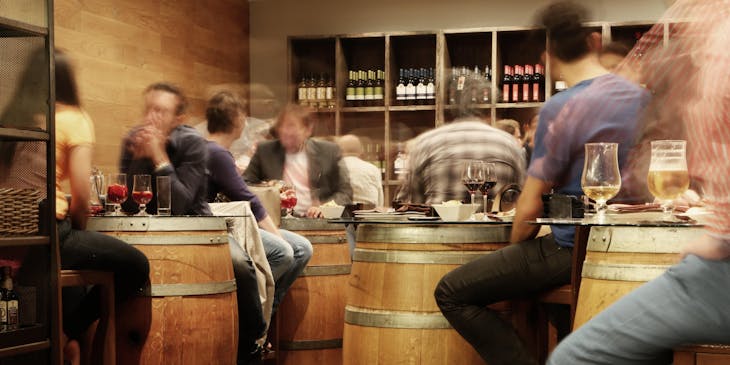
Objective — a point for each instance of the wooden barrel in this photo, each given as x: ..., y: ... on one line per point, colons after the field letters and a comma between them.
x: 190, y: 310
x: 311, y: 316
x: 391, y: 315
x: 620, y: 259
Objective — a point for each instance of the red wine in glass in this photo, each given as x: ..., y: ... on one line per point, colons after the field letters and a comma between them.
x: 472, y: 185
x: 116, y: 193
x: 289, y: 203
x: 488, y: 185
x: 142, y: 197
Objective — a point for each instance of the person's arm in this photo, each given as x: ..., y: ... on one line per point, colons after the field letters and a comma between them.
x: 223, y: 172
x: 529, y: 207
x: 78, y: 175
x: 188, y: 175
x: 267, y: 224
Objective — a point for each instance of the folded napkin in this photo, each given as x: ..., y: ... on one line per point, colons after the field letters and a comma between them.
x: 647, y: 207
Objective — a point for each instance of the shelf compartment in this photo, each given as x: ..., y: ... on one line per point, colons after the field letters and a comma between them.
x: 24, y: 340
x: 325, y: 124
x: 360, y: 54
x: 17, y: 28
x: 368, y: 126
x: 310, y: 56
x: 414, y: 51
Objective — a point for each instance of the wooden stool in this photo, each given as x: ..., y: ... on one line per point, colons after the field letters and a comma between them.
x: 105, y: 281
x: 546, y: 333
x: 706, y: 354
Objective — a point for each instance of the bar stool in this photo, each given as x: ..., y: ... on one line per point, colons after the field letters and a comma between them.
x: 704, y: 354
x: 105, y: 281
x: 547, y: 334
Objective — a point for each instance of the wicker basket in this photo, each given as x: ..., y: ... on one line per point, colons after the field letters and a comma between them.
x: 18, y: 211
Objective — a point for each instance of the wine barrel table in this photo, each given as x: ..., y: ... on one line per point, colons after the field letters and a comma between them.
x: 310, y: 319
x: 391, y: 315
x: 621, y: 258
x: 189, y: 315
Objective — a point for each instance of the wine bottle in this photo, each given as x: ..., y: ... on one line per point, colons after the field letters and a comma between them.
x: 411, y: 87
x: 420, y: 86
x: 321, y: 90
x: 378, y: 93
x: 302, y: 91
x: 475, y: 86
x: 430, y: 87
x: 9, y: 301
x: 506, y: 83
x: 360, y: 88
x: 516, y: 83
x: 453, y: 83
x: 369, y: 87
x: 538, y: 84
x: 526, y: 82
x: 400, y: 89
x: 487, y: 87
x: 311, y: 91
x: 350, y: 89
x: 329, y: 92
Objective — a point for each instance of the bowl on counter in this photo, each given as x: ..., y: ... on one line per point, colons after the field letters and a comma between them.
x: 454, y: 213
x: 332, y: 211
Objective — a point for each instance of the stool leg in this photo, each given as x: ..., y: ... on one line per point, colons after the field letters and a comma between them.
x: 105, y: 335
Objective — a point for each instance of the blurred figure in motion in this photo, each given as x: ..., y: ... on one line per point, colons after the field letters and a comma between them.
x: 690, y: 79
x: 313, y: 167
x: 612, y: 54
x: 365, y: 178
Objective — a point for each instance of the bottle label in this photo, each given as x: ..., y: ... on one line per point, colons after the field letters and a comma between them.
x: 321, y: 93
x: 329, y: 93
x: 350, y: 93
x: 525, y: 92
x: 400, y: 92
x: 505, y: 93
x: 515, y: 92
x: 3, y: 312
x: 12, y: 313
x: 302, y: 94
x: 369, y: 93
x: 378, y: 93
x: 359, y: 93
x: 535, y: 91
x: 420, y: 91
x: 460, y: 82
x: 311, y: 93
x: 430, y: 91
x: 410, y: 92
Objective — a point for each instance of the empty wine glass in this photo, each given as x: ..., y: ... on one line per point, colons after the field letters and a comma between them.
x: 142, y: 192
x: 490, y: 180
x: 288, y: 196
x: 668, y: 177
x: 601, y: 179
x: 473, y: 177
x: 116, y: 191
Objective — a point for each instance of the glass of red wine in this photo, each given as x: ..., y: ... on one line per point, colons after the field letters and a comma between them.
x: 288, y: 199
x: 490, y: 180
x: 116, y: 192
x: 473, y: 177
x: 142, y: 192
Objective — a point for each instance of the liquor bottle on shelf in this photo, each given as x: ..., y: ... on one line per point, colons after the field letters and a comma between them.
x: 461, y: 83
x: 302, y: 91
x: 360, y: 89
x: 410, y: 87
x: 526, y: 83
x: 420, y: 86
x: 350, y: 89
x: 330, y: 92
x: 400, y: 88
x: 9, y: 308
x: 311, y: 91
x: 321, y: 90
x: 400, y: 165
x: 453, y: 83
x: 487, y: 87
x: 370, y: 88
x: 538, y: 83
x: 475, y: 86
x: 506, y: 83
x: 517, y: 83
x: 378, y: 92
x: 430, y: 87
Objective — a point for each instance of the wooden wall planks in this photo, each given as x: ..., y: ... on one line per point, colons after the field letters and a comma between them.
x: 120, y: 47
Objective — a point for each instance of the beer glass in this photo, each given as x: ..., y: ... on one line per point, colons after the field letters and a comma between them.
x: 668, y: 177
x: 601, y: 178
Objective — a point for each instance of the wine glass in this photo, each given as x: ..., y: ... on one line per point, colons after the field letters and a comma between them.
x: 490, y: 180
x: 601, y: 179
x: 668, y: 177
x: 288, y: 197
x: 116, y: 191
x: 473, y: 177
x: 142, y: 192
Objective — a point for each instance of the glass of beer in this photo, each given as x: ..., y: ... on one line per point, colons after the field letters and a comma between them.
x: 668, y: 177
x: 601, y: 179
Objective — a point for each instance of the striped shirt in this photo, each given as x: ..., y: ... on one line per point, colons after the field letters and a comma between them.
x: 435, y: 161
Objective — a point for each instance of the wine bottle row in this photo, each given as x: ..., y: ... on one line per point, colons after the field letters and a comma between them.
x: 365, y: 88
x: 9, y: 306
x: 468, y: 86
x: 415, y: 86
x: 522, y: 84
x: 316, y: 93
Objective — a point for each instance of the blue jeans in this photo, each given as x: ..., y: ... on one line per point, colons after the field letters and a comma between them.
x: 689, y: 303
x: 287, y: 259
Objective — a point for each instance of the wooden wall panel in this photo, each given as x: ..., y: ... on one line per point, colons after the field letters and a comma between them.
x: 121, y: 46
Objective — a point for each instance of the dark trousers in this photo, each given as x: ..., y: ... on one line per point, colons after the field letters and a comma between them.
x: 86, y: 250
x: 516, y: 271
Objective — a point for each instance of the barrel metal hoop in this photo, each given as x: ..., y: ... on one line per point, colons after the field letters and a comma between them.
x: 173, y: 239
x: 182, y: 290
x: 156, y: 224
x: 417, y: 257
x: 622, y: 272
x: 445, y: 234
x: 394, y: 319
x: 300, y: 345
x: 326, y: 270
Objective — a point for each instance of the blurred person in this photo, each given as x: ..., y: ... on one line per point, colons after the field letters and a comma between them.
x: 528, y: 137
x: 512, y: 127
x: 689, y: 302
x: 287, y: 252
x: 612, y: 54
x: 365, y: 178
x: 163, y: 146
x: 435, y: 160
x: 313, y: 167
x: 597, y: 107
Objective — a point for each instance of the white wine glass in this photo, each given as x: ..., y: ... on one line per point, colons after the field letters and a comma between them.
x: 473, y: 177
x: 601, y: 178
x: 668, y: 177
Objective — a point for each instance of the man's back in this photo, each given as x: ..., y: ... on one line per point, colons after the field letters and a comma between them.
x: 366, y: 181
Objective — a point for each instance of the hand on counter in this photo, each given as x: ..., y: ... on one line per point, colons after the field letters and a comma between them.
x: 314, y: 212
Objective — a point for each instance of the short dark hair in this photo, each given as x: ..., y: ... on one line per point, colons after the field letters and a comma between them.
x: 618, y: 48
x: 223, y: 109
x: 564, y: 23
x: 303, y: 113
x: 66, y: 90
x: 182, y: 101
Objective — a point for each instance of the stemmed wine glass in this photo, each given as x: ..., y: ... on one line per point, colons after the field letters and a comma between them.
x: 601, y: 179
x: 116, y: 191
x: 490, y: 180
x: 473, y: 177
x: 288, y: 197
x: 142, y: 192
x: 668, y: 177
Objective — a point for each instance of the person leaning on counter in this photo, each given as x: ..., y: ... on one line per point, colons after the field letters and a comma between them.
x: 313, y: 167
